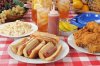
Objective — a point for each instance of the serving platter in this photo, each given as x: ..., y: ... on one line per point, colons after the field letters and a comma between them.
x: 63, y: 53
x: 71, y: 42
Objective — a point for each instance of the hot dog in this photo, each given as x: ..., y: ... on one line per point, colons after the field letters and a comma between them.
x: 21, y: 47
x: 49, y: 52
x: 35, y: 51
x: 29, y: 47
x: 15, y: 47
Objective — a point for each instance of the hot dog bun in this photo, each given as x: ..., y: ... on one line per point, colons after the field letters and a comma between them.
x: 22, y: 46
x: 14, y: 47
x: 30, y: 46
x: 35, y: 51
x: 46, y: 36
x: 45, y: 49
x: 53, y: 56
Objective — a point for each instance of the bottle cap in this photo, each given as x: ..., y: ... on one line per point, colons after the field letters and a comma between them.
x: 53, y: 10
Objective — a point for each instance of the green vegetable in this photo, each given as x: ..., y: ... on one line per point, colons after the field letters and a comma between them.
x: 17, y: 2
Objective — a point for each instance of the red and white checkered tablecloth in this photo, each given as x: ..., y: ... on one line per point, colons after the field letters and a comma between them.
x: 74, y: 58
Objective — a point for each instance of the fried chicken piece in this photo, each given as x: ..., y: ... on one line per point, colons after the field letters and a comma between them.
x: 93, y: 48
x: 80, y: 32
x: 92, y: 42
x: 98, y: 38
x: 97, y: 29
x: 84, y: 38
x: 81, y: 40
x: 89, y: 37
x: 91, y: 25
x: 78, y: 36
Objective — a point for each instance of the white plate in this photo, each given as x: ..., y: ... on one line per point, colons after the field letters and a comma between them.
x: 71, y: 42
x: 34, y: 28
x: 63, y: 53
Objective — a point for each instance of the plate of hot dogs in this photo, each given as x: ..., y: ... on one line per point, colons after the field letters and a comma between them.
x: 38, y: 48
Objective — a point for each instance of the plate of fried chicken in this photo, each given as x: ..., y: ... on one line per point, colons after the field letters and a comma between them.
x: 87, y: 39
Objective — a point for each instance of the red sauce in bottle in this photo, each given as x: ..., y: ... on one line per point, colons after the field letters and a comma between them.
x: 53, y: 21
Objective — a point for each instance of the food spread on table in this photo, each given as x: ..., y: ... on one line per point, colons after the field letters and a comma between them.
x: 89, y: 37
x: 51, y: 17
x: 39, y: 45
x: 16, y: 28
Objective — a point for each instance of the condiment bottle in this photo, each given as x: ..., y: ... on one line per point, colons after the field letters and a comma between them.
x: 53, y: 21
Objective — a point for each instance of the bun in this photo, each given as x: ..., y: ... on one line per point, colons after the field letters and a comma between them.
x: 35, y: 51
x: 46, y: 36
x: 30, y: 46
x: 15, y: 47
x: 45, y: 49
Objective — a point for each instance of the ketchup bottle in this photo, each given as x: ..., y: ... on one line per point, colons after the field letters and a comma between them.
x: 53, y: 21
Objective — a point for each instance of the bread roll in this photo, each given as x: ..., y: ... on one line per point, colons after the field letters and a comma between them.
x: 35, y: 51
x: 15, y: 47
x: 49, y: 47
x: 46, y: 36
x: 29, y: 47
x: 21, y: 47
